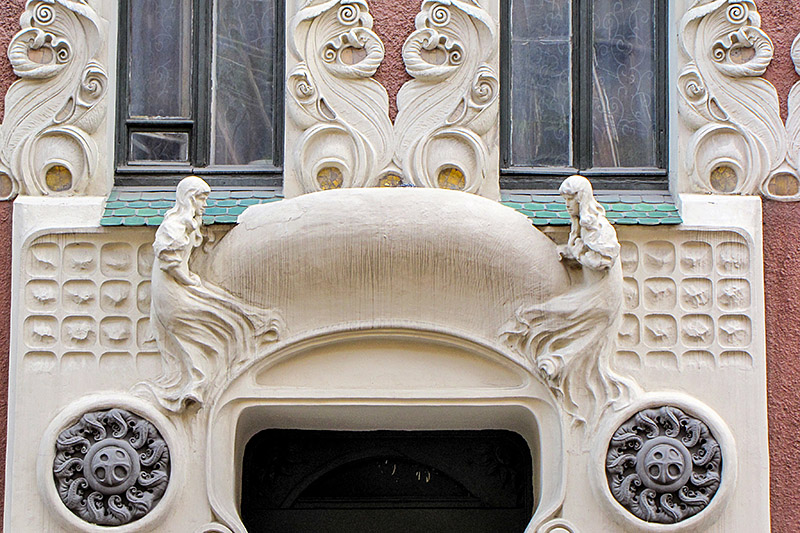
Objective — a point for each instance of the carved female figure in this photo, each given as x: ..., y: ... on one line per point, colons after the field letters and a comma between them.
x: 205, y: 334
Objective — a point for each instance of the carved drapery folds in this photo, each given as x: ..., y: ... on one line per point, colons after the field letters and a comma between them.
x: 205, y: 334
x: 46, y: 145
x: 793, y: 127
x: 569, y: 338
x: 447, y: 115
x: 340, y: 134
x: 111, y: 467
x: 737, y: 142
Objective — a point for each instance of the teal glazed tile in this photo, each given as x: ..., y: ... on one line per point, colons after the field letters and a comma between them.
x: 672, y: 220
x: 161, y: 204
x: 236, y: 210
x: 208, y: 219
x: 627, y: 221
x: 219, y: 195
x: 533, y: 207
x: 563, y: 214
x: 129, y: 196
x: 133, y: 221
x: 111, y: 221
x: 621, y: 207
x: 226, y: 219
x: 115, y: 205
x: 249, y: 201
x: 124, y: 212
x: 138, y: 203
x: 666, y: 207
x: 643, y: 207
x: 513, y: 205
x: 147, y: 212
x: 154, y: 221
x: 264, y: 194
x: 113, y: 195
x: 150, y: 196
x: 226, y: 203
x: 241, y: 194
x: 216, y: 211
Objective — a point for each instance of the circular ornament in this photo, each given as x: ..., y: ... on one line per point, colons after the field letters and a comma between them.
x: 111, y: 467
x: 663, y: 465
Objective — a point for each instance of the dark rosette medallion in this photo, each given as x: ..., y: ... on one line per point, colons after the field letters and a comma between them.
x: 663, y: 465
x: 111, y: 467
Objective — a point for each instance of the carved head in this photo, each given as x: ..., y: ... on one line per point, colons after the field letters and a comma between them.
x: 191, y: 195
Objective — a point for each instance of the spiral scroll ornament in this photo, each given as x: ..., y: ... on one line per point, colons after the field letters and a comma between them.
x: 663, y: 465
x: 111, y: 468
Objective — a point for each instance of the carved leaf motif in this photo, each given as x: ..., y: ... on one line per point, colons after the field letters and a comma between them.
x: 52, y: 112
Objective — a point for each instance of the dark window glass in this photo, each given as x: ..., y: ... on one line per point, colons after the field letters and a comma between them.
x: 585, y: 91
x: 199, y: 91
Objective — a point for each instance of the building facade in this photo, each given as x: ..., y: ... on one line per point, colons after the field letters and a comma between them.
x: 429, y: 280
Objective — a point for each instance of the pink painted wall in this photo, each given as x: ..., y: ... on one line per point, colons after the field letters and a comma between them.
x: 394, y: 20
x: 780, y: 20
x: 9, y: 25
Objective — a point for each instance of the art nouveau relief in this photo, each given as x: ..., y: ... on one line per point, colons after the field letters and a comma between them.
x: 204, y: 333
x: 737, y: 142
x: 567, y: 337
x: 737, y: 136
x: 46, y: 143
x: 340, y: 134
x: 446, y: 124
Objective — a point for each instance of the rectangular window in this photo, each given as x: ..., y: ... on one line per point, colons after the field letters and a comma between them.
x: 200, y: 91
x: 585, y: 91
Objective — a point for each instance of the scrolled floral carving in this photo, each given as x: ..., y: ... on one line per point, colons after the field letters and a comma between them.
x: 339, y: 114
x: 664, y: 465
x: 447, y: 114
x: 46, y: 144
x: 112, y: 467
x: 737, y: 142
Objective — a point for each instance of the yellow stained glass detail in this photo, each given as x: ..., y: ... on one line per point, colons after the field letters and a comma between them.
x: 330, y: 178
x: 452, y: 178
x: 723, y: 179
x: 58, y: 178
x: 784, y: 185
x: 390, y: 180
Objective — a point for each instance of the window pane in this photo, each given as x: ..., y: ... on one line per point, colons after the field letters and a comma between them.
x: 159, y: 146
x: 541, y: 63
x: 159, y: 51
x: 623, y: 122
x: 244, y: 84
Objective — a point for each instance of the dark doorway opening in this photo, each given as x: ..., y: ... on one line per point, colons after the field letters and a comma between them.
x: 300, y: 481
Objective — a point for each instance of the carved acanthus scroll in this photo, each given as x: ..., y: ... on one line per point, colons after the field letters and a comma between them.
x: 341, y: 113
x: 570, y: 337
x: 205, y: 334
x: 447, y: 115
x: 46, y: 144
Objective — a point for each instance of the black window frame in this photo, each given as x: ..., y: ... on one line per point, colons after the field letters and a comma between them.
x: 167, y: 174
x: 603, y: 178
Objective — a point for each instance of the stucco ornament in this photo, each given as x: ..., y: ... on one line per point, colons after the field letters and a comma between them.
x: 446, y: 124
x: 111, y: 467
x: 785, y: 185
x: 46, y: 144
x: 341, y: 113
x: 663, y: 465
x: 570, y: 337
x: 204, y: 333
x: 738, y: 141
